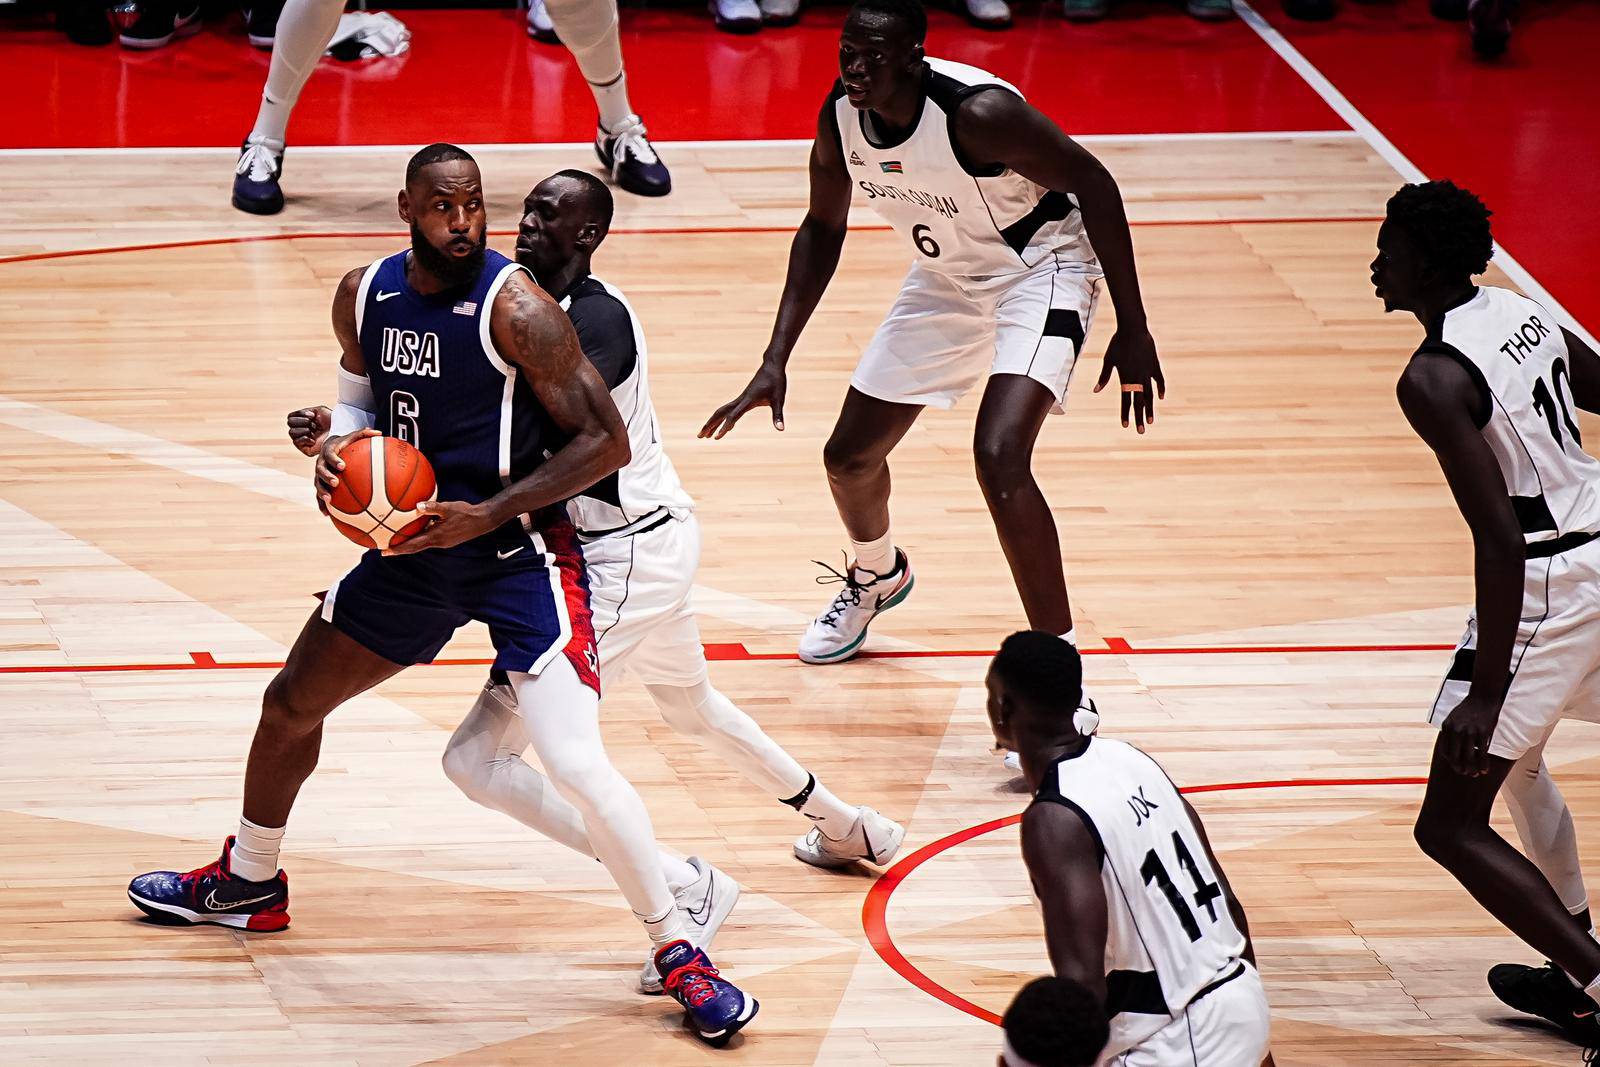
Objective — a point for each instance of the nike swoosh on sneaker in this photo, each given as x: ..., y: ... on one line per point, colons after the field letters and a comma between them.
x: 699, y: 914
x: 381, y: 297
x: 213, y: 904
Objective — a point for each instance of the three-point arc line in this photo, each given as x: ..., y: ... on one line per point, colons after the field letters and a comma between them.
x: 875, y: 909
x: 735, y: 652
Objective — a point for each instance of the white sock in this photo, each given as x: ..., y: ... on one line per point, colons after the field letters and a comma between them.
x: 304, y: 30
x: 612, y: 100
x: 1071, y: 637
x: 876, y: 556
x: 833, y: 816
x: 484, y: 760
x: 666, y: 928
x: 1593, y: 989
x: 254, y: 856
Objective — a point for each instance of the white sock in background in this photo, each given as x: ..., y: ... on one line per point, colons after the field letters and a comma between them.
x: 254, y: 856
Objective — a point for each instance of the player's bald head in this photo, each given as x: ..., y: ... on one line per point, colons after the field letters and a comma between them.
x: 585, y: 196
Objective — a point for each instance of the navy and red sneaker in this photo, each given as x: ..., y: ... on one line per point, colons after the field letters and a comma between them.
x: 717, y: 1008
x: 213, y: 894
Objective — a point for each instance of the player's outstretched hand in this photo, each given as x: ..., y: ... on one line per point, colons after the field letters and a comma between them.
x: 307, y: 428
x: 766, y: 389
x: 1464, y: 738
x: 454, y: 522
x: 1132, y: 354
x: 329, y: 464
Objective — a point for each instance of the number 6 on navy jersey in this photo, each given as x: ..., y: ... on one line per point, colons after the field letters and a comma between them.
x: 403, y: 414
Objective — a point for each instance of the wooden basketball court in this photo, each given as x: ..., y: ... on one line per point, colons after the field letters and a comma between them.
x: 1262, y: 585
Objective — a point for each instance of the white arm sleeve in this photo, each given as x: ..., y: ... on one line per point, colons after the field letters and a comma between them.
x: 357, y: 408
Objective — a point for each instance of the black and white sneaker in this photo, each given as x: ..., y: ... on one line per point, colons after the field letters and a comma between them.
x: 255, y: 179
x: 633, y: 163
x: 1548, y: 993
x: 146, y: 24
x: 261, y: 22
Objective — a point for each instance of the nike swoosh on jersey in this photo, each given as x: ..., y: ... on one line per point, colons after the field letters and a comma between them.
x: 508, y: 555
x: 381, y: 297
x: 213, y: 904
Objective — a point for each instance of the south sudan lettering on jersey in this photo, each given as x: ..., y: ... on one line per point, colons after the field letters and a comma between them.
x: 1169, y: 932
x: 961, y: 218
x: 1518, y: 358
x: 944, y: 205
x: 441, y: 386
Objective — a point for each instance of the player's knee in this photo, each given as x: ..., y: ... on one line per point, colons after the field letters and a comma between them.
x: 1439, y: 838
x: 586, y: 782
x: 1002, y: 467
x: 846, y: 461
x: 682, y: 711
x: 466, y: 770
x: 287, y: 706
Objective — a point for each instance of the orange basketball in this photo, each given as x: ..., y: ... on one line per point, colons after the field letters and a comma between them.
x: 383, y: 481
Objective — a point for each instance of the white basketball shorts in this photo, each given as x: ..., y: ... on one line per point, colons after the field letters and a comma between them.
x: 942, y: 333
x: 639, y: 592
x: 1227, y: 1027
x: 1555, y: 663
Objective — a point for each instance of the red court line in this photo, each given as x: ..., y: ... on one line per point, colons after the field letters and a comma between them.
x: 734, y: 652
x: 875, y: 909
x: 674, y: 231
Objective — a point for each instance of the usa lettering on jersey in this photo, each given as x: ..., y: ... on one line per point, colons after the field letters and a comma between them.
x: 408, y: 352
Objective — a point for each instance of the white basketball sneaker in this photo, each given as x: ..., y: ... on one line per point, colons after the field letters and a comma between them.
x: 836, y: 634
x: 873, y: 839
x: 704, y: 904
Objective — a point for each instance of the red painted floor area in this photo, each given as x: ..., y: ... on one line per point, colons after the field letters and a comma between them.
x: 1522, y: 132
x: 473, y: 76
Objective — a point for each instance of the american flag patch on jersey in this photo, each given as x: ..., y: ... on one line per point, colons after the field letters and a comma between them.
x: 892, y: 167
x: 466, y: 307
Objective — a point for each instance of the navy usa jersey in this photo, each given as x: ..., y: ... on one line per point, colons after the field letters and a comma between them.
x: 441, y: 387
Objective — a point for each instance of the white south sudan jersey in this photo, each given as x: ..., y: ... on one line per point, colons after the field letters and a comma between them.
x: 1169, y: 933
x: 960, y: 217
x: 649, y: 482
x: 1515, y: 351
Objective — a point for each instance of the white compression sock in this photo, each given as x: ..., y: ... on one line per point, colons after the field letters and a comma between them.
x: 1544, y: 825
x: 484, y: 760
x: 876, y: 555
x: 254, y: 856
x: 589, y: 30
x: 561, y: 717
x: 304, y: 29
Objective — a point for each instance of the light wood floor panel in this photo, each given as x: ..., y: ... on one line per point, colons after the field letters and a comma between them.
x: 150, y: 509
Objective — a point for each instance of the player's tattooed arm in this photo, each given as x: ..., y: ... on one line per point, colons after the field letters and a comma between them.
x: 326, y: 447
x: 1439, y: 400
x: 997, y: 127
x: 1063, y: 859
x: 530, y: 331
x: 813, y: 257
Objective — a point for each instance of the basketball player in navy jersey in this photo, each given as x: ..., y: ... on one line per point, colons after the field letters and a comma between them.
x: 453, y: 348
x: 641, y: 547
x: 1136, y: 907
x: 1013, y: 226
x: 1492, y: 391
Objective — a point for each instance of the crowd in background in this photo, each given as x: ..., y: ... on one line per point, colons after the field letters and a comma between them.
x: 154, y: 23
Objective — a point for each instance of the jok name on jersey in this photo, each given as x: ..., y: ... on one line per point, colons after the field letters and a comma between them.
x: 408, y: 352
x: 944, y: 205
x: 1520, y: 345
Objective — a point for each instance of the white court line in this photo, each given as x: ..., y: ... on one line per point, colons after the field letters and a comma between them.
x: 1380, y: 144
x: 231, y: 152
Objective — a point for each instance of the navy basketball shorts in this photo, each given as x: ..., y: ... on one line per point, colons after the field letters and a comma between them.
x: 533, y: 597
